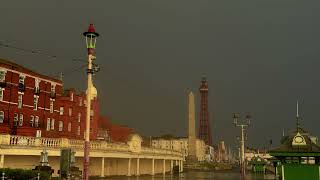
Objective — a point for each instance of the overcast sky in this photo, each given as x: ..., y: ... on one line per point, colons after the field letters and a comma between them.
x: 259, y: 57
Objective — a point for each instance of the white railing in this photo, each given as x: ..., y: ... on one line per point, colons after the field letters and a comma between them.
x: 11, y: 140
x: 160, y: 151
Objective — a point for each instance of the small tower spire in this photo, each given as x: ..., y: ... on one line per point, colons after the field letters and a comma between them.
x: 298, y: 116
x: 297, y: 108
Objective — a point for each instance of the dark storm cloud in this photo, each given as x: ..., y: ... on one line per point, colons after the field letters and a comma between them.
x: 259, y: 56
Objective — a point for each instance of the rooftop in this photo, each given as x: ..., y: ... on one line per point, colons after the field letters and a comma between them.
x: 18, y: 67
x: 299, y: 141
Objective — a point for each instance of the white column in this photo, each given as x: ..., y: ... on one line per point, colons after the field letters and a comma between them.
x: 129, y: 167
x: 138, y: 167
x: 181, y: 165
x: 282, y: 173
x: 102, y: 167
x: 152, y: 172
x: 171, y: 166
x: 2, y: 161
x: 164, y: 167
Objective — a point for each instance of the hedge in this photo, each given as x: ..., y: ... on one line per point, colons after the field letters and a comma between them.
x: 23, y: 174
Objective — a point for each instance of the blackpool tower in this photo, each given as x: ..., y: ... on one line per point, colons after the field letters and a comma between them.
x: 204, y: 125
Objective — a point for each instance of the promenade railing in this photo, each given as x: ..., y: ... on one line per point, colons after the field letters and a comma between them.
x: 96, y: 145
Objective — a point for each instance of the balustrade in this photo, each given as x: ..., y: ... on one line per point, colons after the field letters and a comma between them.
x: 77, y: 144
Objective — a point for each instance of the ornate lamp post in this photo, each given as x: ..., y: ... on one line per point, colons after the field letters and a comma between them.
x: 91, y: 38
x: 243, y: 125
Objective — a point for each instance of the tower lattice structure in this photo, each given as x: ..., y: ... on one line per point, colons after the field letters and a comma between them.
x: 204, y: 125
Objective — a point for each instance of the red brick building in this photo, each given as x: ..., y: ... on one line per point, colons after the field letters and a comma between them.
x: 32, y: 104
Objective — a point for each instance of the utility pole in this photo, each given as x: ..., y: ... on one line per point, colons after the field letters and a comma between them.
x: 242, y: 127
x: 91, y: 38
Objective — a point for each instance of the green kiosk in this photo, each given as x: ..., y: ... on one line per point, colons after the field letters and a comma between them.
x: 297, y: 158
x: 258, y: 165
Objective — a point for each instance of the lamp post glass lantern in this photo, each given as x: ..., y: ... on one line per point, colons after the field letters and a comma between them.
x: 91, y: 37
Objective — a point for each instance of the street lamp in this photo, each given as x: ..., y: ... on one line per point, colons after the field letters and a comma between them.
x: 91, y: 39
x: 243, y: 125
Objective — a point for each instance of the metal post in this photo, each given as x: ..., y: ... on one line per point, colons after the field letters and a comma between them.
x: 241, y: 153
x: 87, y: 140
x: 91, y: 36
x: 243, y: 170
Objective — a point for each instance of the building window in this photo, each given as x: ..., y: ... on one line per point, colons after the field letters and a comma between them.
x: 79, y: 117
x: 1, y: 116
x: 36, y: 85
x: 71, y: 97
x: 78, y: 131
x: 36, y: 121
x: 21, y: 120
x: 20, y: 101
x: 2, y: 75
x: 15, y: 119
x: 60, y: 125
x: 1, y: 93
x: 85, y: 103
x: 61, y: 110
x: 53, y: 88
x: 52, y: 124
x: 21, y: 86
x: 70, y: 111
x: 80, y: 101
x: 21, y: 79
x: 35, y: 102
x: 38, y: 133
x: 48, y: 124
x: 31, y: 120
x: 51, y: 105
x: 69, y: 126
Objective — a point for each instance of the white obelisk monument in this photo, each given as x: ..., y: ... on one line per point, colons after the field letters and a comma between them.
x: 192, y: 131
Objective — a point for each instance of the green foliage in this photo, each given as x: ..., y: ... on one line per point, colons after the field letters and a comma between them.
x: 23, y: 174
